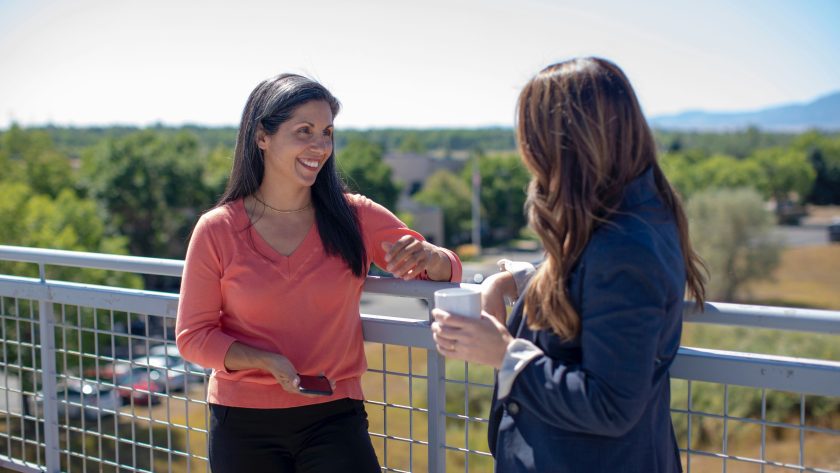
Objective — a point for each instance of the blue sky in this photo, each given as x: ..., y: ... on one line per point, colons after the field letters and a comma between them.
x: 395, y: 63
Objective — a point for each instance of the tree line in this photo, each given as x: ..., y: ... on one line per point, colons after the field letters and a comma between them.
x: 134, y: 191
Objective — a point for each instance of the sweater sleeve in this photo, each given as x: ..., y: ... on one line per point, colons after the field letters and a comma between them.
x: 198, y: 332
x: 380, y: 225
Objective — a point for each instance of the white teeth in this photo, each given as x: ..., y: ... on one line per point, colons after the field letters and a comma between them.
x: 311, y: 163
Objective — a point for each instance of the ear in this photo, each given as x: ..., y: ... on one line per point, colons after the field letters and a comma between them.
x: 262, y: 139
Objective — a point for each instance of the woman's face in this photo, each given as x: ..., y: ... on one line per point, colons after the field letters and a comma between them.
x: 301, y: 146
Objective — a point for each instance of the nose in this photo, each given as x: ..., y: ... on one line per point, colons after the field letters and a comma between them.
x: 322, y: 144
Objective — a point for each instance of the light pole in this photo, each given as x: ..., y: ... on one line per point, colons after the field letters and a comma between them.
x: 476, y: 205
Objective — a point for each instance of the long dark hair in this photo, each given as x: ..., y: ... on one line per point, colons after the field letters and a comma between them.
x: 583, y: 137
x: 270, y: 104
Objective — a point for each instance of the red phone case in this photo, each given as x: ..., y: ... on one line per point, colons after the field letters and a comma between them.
x: 314, y: 385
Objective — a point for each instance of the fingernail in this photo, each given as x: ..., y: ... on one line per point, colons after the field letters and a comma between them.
x: 296, y: 382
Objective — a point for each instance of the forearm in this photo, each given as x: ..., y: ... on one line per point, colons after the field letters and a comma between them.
x: 242, y: 357
x: 504, y: 284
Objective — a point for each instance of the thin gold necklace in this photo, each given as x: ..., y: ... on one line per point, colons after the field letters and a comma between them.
x: 284, y: 211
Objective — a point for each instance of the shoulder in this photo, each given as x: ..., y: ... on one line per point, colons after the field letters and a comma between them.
x: 646, y: 240
x: 220, y: 219
x: 367, y: 208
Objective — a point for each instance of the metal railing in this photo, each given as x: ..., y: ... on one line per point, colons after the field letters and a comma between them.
x: 65, y: 404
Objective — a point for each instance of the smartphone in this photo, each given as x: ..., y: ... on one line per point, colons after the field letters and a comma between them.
x: 315, y: 385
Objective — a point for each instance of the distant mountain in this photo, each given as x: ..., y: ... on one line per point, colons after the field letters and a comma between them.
x: 823, y: 113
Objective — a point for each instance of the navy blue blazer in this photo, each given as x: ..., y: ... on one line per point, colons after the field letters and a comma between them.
x: 601, y: 402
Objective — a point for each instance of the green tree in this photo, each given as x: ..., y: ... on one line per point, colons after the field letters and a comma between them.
x: 151, y: 187
x: 30, y: 156
x: 787, y: 173
x: 411, y: 143
x: 65, y: 222
x: 504, y: 180
x: 679, y: 166
x: 452, y: 195
x: 824, y: 155
x: 726, y: 172
x: 360, y: 162
x: 217, y: 170
x: 730, y: 229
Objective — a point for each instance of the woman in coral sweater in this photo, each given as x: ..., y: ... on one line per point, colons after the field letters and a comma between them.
x: 271, y: 290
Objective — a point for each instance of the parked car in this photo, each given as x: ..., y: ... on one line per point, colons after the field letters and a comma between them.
x: 174, y: 369
x: 141, y: 385
x: 76, y: 398
x: 834, y: 231
x: 196, y: 372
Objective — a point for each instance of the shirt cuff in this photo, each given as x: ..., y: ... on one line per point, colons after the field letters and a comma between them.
x: 519, y: 353
x: 221, y: 344
x: 521, y: 271
x: 455, y: 265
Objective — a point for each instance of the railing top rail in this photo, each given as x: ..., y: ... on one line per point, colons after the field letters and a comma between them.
x: 81, y: 259
x: 778, y: 318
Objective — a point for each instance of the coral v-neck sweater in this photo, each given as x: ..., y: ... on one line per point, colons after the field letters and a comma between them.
x: 305, y: 306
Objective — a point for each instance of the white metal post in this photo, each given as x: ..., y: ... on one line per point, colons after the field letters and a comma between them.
x: 436, y: 369
x: 48, y: 378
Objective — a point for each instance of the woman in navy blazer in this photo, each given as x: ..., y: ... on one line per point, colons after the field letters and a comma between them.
x: 583, y: 382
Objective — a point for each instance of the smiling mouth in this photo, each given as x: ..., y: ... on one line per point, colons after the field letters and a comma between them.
x: 310, y: 163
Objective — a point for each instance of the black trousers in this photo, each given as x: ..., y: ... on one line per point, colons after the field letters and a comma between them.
x: 322, y: 438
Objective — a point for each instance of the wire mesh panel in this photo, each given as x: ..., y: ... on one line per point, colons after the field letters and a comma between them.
x: 396, y: 386
x: 469, y: 392
x: 126, y: 400
x: 731, y: 428
x: 21, y: 439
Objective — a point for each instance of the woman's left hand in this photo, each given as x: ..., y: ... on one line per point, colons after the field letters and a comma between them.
x: 479, y: 340
x: 408, y: 257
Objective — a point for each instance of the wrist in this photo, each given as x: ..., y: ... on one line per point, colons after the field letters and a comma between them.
x: 504, y: 344
x: 441, y: 267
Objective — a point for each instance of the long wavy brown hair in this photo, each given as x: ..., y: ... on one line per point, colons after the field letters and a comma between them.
x: 582, y: 135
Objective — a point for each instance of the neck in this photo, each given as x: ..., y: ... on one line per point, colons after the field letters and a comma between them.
x: 284, y: 199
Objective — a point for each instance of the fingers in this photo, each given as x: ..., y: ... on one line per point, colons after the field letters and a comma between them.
x: 453, y: 320
x: 445, y: 336
x: 407, y: 258
x: 445, y: 344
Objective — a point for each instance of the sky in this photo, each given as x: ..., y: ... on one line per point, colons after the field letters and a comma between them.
x: 392, y: 63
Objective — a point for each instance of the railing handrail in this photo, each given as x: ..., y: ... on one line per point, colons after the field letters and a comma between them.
x: 719, y: 313
x: 83, y: 259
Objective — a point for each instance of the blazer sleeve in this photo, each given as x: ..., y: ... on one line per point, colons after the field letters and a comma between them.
x: 198, y: 332
x: 380, y: 225
x: 622, y: 314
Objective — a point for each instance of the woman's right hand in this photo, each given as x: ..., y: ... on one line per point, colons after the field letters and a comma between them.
x: 283, y: 371
x: 242, y: 357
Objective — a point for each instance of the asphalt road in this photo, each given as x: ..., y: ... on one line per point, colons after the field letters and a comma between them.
x: 803, y: 235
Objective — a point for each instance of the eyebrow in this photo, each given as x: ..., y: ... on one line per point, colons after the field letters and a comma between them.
x: 331, y: 125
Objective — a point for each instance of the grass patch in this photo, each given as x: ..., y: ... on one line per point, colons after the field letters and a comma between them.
x: 807, y: 276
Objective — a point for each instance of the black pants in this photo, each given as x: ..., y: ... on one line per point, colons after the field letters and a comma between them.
x: 322, y: 438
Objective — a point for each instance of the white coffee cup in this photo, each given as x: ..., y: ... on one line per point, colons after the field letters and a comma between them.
x: 463, y: 301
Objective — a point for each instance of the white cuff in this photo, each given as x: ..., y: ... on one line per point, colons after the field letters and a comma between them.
x: 521, y: 271
x: 519, y: 353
